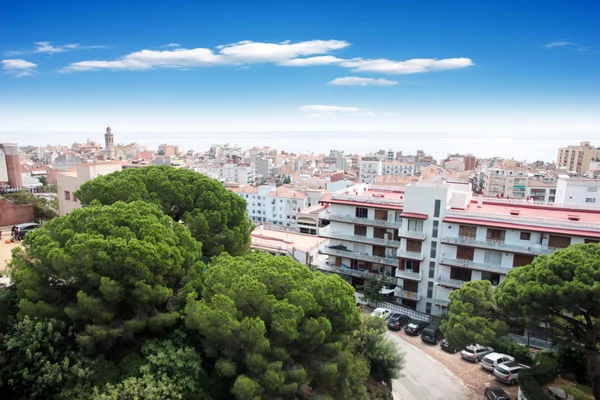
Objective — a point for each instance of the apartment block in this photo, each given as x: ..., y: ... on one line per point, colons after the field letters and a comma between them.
x: 504, y: 182
x: 577, y: 158
x: 578, y: 191
x: 369, y: 169
x: 431, y: 238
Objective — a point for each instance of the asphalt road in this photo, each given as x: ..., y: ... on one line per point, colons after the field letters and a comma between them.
x: 425, y: 378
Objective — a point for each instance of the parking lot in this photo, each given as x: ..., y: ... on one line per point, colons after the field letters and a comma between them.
x: 472, y: 375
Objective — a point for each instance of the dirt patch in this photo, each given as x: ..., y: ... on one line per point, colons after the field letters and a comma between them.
x: 473, y: 376
x: 5, y: 251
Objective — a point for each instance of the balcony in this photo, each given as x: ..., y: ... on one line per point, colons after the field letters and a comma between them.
x: 359, y: 256
x: 345, y: 270
x: 442, y: 303
x: 448, y: 282
x: 419, y: 235
x: 497, y: 245
x: 363, y: 221
x: 408, y: 274
x: 412, y: 255
x: 480, y: 266
x: 326, y: 233
x: 405, y: 294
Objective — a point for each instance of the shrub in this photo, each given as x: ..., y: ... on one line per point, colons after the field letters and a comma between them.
x: 545, y: 369
x: 573, y: 361
x: 520, y: 353
x: 530, y: 388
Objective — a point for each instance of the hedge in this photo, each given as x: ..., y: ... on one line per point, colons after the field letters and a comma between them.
x: 545, y: 369
x: 530, y: 388
x: 520, y: 353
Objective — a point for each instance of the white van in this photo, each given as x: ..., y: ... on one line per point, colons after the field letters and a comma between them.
x: 492, y: 360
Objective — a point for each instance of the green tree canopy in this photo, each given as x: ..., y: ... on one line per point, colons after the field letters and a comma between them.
x: 111, y: 272
x: 473, y: 316
x: 215, y: 216
x: 560, y: 295
x: 272, y: 328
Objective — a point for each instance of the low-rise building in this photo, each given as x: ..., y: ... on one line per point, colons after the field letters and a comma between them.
x: 578, y: 191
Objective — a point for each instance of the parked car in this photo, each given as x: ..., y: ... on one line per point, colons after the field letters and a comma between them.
x: 495, y: 393
x: 492, y: 360
x: 382, y: 313
x: 25, y: 229
x: 397, y: 320
x: 475, y: 353
x: 432, y: 334
x: 413, y: 328
x: 447, y: 346
x: 508, y: 372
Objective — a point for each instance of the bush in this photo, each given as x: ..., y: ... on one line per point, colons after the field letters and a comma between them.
x: 573, y: 361
x: 530, y: 388
x: 545, y: 369
x: 520, y: 353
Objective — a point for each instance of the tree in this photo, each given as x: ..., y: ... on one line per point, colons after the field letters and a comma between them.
x: 43, y: 209
x: 43, y: 180
x: 215, y: 216
x: 287, y: 180
x: 559, y: 294
x: 473, y: 316
x: 372, y: 287
x: 111, y: 272
x: 272, y: 328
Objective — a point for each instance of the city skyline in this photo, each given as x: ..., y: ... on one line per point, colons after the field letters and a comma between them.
x: 460, y: 69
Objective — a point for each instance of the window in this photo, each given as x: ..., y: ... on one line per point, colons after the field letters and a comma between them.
x: 430, y: 289
x: 462, y: 274
x: 592, y: 189
x: 415, y: 225
x: 465, y: 231
x: 493, y: 278
x: 559, y: 242
x: 436, y: 225
x: 67, y: 195
x: 428, y: 307
x: 496, y: 235
x: 590, y: 199
x: 381, y: 215
x: 465, y: 253
x: 522, y: 259
x: 431, y: 269
x: 493, y: 257
x: 433, y: 253
x: 74, y: 198
x: 413, y: 245
x: 525, y: 236
x: 411, y: 265
x: 360, y: 230
x: 379, y: 233
x: 362, y: 212
x: 436, y: 208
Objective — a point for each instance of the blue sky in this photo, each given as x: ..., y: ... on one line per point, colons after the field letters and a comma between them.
x: 444, y: 66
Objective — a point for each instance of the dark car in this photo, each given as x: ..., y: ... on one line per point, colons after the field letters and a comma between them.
x: 24, y: 229
x: 413, y: 328
x: 447, y: 346
x: 495, y: 393
x: 397, y: 320
x: 432, y: 334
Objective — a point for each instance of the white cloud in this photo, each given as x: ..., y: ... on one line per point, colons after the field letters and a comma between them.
x: 356, y: 81
x: 311, y: 61
x: 560, y: 43
x: 47, y: 48
x: 173, y: 45
x: 251, y: 52
x: 19, y: 67
x: 332, y: 111
x: 414, y: 66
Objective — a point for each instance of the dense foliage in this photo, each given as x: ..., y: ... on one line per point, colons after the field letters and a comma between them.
x: 112, y: 302
x: 558, y: 294
x: 43, y: 209
x: 215, y: 216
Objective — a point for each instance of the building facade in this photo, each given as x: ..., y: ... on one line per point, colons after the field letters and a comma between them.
x: 578, y: 191
x: 577, y: 158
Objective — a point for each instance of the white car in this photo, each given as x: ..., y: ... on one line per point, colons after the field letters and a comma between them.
x: 382, y: 313
x: 475, y: 353
x: 493, y: 360
x: 509, y: 372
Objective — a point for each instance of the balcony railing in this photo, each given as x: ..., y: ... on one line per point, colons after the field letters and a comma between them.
x: 497, y: 245
x: 405, y: 294
x: 345, y: 270
x: 326, y: 233
x: 359, y: 256
x: 408, y: 274
x: 363, y: 221
x: 443, y: 303
x: 455, y: 283
x: 420, y: 235
x: 480, y: 266
x: 412, y: 255
x: 368, y: 199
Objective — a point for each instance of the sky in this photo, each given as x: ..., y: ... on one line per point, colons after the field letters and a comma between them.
x: 467, y: 71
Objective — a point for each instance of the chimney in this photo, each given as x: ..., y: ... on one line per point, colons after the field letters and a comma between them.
x: 479, y: 201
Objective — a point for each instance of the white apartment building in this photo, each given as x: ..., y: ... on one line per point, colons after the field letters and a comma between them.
x: 239, y: 173
x: 578, y: 191
x: 68, y: 182
x: 397, y: 168
x: 539, y: 189
x: 501, y: 182
x: 434, y: 237
x: 369, y: 169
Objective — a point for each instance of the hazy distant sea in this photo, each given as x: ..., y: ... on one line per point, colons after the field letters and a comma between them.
x: 528, y: 147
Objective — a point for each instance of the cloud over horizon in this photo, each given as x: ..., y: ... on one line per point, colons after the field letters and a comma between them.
x: 560, y: 43
x: 48, y: 48
x: 18, y: 67
x: 357, y: 81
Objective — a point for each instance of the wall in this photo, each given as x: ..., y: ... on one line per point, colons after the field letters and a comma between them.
x: 12, y: 214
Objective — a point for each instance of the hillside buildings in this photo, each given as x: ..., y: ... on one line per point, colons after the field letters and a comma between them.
x: 431, y: 238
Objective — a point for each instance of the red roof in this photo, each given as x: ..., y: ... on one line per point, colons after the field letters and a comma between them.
x: 533, y: 228
x: 413, y: 215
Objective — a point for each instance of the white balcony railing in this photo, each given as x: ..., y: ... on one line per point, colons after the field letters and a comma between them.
x: 359, y: 256
x: 420, y: 235
x: 480, y: 266
x: 408, y: 274
x: 412, y: 255
x: 516, y: 219
x: 448, y: 282
x: 363, y: 221
x: 497, y: 245
x: 326, y: 233
x: 405, y: 294
x: 443, y: 303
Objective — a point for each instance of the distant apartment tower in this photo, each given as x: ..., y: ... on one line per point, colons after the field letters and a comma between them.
x: 10, y: 165
x: 577, y: 158
x: 369, y: 168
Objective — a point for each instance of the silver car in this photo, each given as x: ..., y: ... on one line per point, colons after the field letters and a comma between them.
x: 475, y: 353
x: 508, y: 372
